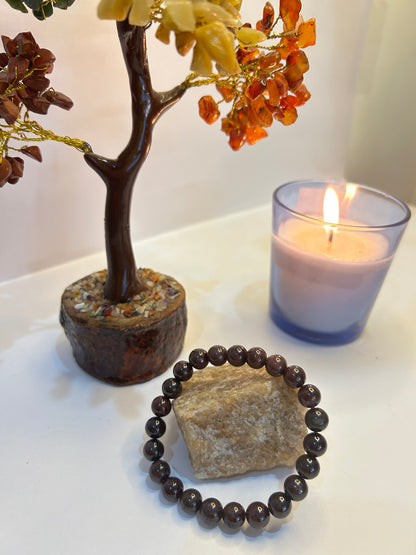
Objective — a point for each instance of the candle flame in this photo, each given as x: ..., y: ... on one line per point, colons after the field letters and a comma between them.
x: 331, y: 207
x: 331, y: 212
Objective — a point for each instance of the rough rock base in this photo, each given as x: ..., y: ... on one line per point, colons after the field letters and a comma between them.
x: 235, y: 420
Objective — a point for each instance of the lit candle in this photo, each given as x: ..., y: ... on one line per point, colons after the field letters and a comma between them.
x: 326, y: 271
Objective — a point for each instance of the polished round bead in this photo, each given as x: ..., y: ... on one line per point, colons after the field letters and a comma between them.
x: 309, y: 395
x: 234, y: 515
x: 275, y: 365
x: 296, y: 487
x: 172, y: 489
x: 155, y: 427
x: 315, y: 444
x: 237, y: 355
x: 256, y: 357
x: 161, y: 406
x: 316, y: 419
x: 211, y: 511
x: 199, y: 358
x: 217, y: 355
x: 280, y: 504
x: 159, y: 471
x: 294, y: 376
x: 183, y: 371
x: 307, y: 466
x: 153, y: 450
x: 172, y: 388
x: 191, y: 501
x: 257, y: 514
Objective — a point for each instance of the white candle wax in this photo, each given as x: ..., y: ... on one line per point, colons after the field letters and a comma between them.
x: 322, y: 285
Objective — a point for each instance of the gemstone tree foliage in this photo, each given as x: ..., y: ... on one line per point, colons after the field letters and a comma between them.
x: 257, y: 72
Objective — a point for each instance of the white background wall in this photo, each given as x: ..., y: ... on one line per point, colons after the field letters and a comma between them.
x: 55, y: 213
x: 382, y: 145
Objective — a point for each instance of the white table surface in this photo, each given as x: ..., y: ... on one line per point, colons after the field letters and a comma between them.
x: 72, y: 477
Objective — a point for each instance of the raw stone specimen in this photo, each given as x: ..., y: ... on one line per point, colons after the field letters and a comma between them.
x: 235, y: 420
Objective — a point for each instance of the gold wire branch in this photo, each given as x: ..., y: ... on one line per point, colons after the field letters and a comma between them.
x: 27, y: 130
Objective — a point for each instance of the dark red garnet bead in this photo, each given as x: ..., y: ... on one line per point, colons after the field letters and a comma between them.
x: 316, y: 419
x: 275, y: 365
x: 217, y: 355
x: 172, y: 489
x: 256, y: 357
x: 172, y: 388
x: 183, y: 371
x: 153, y: 450
x: 155, y: 427
x: 294, y: 376
x: 211, y: 511
x: 159, y: 471
x: 315, y: 444
x: 237, y: 355
x: 234, y: 515
x: 307, y: 466
x: 161, y: 406
x: 199, y: 358
x: 296, y: 487
x: 191, y: 501
x: 257, y: 514
x: 309, y: 395
x: 280, y: 504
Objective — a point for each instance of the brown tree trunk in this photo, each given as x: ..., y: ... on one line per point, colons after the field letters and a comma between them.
x: 119, y: 175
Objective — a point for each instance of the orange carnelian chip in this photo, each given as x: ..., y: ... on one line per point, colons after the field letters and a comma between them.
x: 264, y: 117
x: 245, y: 55
x: 281, y: 83
x: 307, y: 32
x: 291, y: 100
x: 289, y: 12
x: 287, y: 45
x: 266, y: 23
x: 242, y: 118
x: 273, y: 92
x: 299, y: 58
x: 208, y: 109
x: 272, y: 109
x: 237, y: 139
x: 252, y: 116
x: 270, y: 60
x: 254, y: 134
x: 289, y: 115
x: 294, y: 76
x: 302, y: 94
x: 277, y: 113
x: 255, y: 89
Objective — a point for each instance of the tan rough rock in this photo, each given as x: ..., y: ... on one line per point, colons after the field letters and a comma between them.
x: 235, y: 420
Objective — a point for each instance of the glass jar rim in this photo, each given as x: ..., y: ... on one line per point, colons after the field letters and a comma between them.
x: 328, y: 183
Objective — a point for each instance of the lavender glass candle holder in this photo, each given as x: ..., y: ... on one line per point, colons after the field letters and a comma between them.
x: 330, y: 254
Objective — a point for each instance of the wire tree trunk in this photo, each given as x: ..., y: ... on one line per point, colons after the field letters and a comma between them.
x: 119, y: 175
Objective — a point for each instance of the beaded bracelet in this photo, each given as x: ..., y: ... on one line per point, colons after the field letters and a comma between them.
x: 233, y: 514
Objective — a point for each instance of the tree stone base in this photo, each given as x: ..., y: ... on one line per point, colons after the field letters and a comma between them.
x: 127, y: 343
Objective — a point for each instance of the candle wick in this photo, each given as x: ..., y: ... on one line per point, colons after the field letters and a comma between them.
x: 330, y: 236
